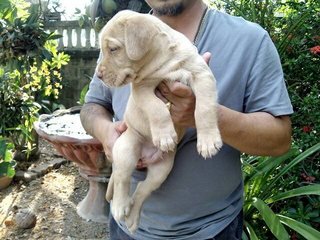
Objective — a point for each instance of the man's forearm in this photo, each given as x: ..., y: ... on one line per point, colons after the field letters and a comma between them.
x: 94, y: 119
x: 255, y: 133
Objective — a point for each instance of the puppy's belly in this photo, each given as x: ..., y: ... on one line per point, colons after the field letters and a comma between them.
x: 150, y: 154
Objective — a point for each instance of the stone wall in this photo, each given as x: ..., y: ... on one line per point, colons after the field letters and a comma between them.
x: 77, y: 74
x: 81, y: 43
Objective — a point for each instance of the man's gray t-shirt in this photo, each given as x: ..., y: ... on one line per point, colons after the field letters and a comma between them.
x: 201, y: 197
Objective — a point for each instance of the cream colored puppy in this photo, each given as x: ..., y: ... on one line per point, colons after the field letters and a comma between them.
x: 142, y: 50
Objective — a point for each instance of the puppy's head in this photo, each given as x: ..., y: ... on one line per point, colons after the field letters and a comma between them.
x: 124, y: 41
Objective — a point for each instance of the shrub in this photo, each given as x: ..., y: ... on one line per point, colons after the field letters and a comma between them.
x: 265, y: 194
x: 29, y: 70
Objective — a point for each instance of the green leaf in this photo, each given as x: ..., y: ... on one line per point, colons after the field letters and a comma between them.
x: 5, y: 4
x: 83, y: 94
x: 270, y: 164
x: 271, y: 220
x: 244, y: 236
x: 7, y: 169
x: 306, y: 231
x: 8, y: 155
x: 46, y: 54
x: 305, y: 190
x: 77, y: 11
x: 295, y: 161
x: 11, y: 172
x: 81, y: 21
x: 54, y: 36
x: 252, y: 234
x: 3, y: 148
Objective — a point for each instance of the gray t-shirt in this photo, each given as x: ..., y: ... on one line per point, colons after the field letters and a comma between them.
x: 201, y: 197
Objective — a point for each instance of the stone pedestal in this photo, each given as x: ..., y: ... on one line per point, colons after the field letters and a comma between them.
x: 89, y: 156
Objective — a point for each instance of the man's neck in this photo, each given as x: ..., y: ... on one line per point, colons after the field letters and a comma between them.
x: 188, y: 21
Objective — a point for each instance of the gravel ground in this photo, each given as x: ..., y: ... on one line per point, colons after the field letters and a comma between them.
x: 53, y: 198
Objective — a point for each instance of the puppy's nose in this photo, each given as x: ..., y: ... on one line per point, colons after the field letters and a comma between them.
x: 99, y: 72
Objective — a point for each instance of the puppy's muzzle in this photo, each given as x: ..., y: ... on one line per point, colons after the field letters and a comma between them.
x: 99, y: 71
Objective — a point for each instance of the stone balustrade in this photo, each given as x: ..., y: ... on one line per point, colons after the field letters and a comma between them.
x: 74, y: 36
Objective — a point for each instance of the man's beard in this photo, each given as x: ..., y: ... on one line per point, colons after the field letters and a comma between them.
x: 169, y: 10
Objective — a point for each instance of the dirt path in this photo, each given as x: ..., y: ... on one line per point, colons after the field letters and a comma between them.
x: 53, y: 198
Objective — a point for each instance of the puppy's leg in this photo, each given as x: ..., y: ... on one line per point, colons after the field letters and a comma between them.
x: 156, y: 175
x: 162, y: 129
x: 208, y: 135
x: 203, y: 85
x: 126, y: 152
x: 109, y: 193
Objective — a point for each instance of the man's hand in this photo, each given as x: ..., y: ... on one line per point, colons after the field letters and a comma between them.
x: 182, y: 100
x: 114, y: 130
x: 97, y: 121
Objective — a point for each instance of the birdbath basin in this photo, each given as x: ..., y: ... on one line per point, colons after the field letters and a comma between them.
x: 64, y: 131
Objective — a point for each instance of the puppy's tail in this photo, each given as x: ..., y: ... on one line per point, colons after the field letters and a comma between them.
x: 109, y: 193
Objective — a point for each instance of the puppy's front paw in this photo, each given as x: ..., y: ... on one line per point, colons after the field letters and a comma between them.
x: 121, y: 209
x: 209, y: 143
x: 165, y: 140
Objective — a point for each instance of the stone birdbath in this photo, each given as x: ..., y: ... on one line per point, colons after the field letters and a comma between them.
x: 64, y: 131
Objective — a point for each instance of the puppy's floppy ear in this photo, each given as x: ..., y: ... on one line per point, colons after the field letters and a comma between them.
x: 138, y: 34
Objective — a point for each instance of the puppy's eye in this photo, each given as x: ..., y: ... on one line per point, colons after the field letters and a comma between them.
x: 113, y: 49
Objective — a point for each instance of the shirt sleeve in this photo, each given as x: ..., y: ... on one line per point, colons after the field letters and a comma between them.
x: 266, y: 88
x: 99, y: 93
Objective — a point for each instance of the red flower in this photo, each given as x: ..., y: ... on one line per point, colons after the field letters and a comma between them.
x: 306, y: 129
x: 315, y: 50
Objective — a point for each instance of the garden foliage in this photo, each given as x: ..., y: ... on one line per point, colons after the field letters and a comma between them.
x: 281, y: 193
x: 30, y: 71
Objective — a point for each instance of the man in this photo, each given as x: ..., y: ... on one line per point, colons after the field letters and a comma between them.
x: 202, y: 199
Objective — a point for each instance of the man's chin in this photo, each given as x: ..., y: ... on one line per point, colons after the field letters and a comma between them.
x: 169, y: 10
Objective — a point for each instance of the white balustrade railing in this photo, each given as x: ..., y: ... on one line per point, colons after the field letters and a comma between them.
x: 74, y: 37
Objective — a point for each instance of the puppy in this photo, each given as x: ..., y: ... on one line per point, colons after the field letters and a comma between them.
x: 142, y: 50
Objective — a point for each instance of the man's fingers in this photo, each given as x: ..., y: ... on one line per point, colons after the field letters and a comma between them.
x: 174, y: 89
x: 159, y: 95
x: 121, y: 127
x: 180, y: 90
x: 206, y: 56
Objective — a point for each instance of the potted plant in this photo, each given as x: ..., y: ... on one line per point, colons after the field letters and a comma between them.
x: 7, y: 164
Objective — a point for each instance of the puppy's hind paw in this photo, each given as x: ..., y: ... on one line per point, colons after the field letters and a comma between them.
x: 132, y: 223
x: 121, y: 210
